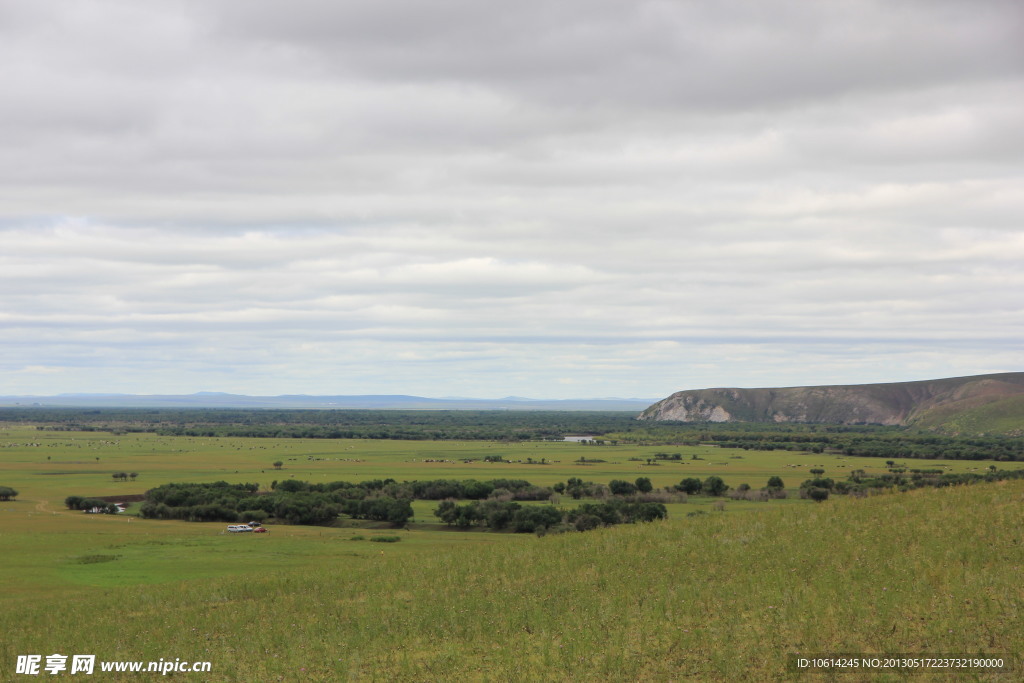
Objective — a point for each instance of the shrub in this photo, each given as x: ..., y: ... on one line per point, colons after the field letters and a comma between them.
x: 740, y: 494
x: 447, y: 512
x: 714, y: 486
x: 668, y: 496
x: 587, y: 522
x: 101, y: 506
x: 645, y: 512
x: 690, y: 485
x: 151, y: 510
x: 530, y: 519
x: 498, y: 514
x: 253, y: 515
x: 619, y: 487
x: 292, y: 486
x: 383, y: 509
x: 212, y: 513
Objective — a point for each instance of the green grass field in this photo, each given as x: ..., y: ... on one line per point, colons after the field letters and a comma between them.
x: 52, y: 465
x: 720, y: 596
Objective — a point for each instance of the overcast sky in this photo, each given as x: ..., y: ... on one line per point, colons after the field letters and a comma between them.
x: 579, y: 198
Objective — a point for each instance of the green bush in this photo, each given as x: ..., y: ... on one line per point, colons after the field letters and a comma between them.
x: 714, y: 486
x: 253, y: 515
x: 386, y: 539
x: 690, y: 486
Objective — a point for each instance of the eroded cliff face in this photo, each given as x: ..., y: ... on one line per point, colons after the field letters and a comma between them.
x: 688, y: 408
x: 887, y: 404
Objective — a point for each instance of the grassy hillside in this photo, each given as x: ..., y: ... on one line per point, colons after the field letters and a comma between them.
x: 1005, y: 416
x: 711, y: 597
x: 943, y: 404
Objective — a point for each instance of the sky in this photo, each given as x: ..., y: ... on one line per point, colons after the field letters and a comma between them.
x: 583, y: 198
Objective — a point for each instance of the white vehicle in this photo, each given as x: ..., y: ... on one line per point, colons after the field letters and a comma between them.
x: 238, y: 528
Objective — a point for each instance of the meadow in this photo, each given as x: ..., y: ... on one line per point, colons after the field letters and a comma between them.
x: 53, y: 464
x: 723, y: 595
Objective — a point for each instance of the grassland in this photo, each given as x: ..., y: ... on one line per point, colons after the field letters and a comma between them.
x: 997, y: 417
x: 52, y: 465
x: 719, y: 596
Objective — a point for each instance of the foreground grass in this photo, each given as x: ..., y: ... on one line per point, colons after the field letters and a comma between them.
x: 50, y: 553
x: 713, y: 597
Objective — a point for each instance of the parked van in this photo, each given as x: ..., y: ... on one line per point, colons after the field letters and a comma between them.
x: 238, y: 528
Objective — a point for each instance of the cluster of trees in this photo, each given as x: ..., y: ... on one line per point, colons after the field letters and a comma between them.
x: 7, y: 493
x: 666, y: 456
x: 471, y: 489
x: 853, y: 440
x: 859, y: 483
x: 124, y: 476
x: 300, y: 502
x: 499, y: 515
x: 291, y: 502
x: 493, y: 425
x: 494, y: 503
x: 592, y: 515
x: 398, y: 511
x: 184, y: 495
x: 434, y: 489
x: 712, y: 486
x: 619, y: 487
x: 81, y: 503
x: 577, y: 488
x: 775, y: 489
x: 903, y: 481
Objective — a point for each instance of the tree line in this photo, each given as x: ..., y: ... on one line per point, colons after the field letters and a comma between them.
x: 495, y: 425
x: 492, y: 425
x: 852, y: 440
x: 98, y: 504
x: 859, y: 483
x: 499, y: 515
x: 495, y: 503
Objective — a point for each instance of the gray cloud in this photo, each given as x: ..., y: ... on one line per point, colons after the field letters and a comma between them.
x: 554, y: 200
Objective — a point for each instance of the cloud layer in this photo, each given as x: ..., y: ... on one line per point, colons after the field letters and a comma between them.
x: 554, y: 200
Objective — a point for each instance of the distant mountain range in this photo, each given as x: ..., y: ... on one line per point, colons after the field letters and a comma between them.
x: 207, y: 399
x: 990, y: 404
x: 978, y: 404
